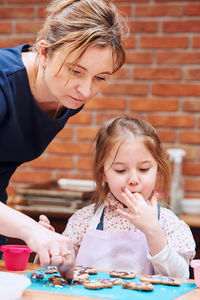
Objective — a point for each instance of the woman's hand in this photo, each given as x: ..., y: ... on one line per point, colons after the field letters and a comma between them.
x: 44, y: 221
x: 53, y: 249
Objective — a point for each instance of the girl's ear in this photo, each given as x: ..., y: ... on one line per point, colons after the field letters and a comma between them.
x: 104, y: 178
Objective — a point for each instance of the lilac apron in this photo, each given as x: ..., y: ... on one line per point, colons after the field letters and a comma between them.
x: 113, y: 251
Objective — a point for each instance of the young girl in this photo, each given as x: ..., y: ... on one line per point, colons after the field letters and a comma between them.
x: 125, y: 229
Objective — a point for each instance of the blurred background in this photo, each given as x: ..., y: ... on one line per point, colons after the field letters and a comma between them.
x: 159, y: 83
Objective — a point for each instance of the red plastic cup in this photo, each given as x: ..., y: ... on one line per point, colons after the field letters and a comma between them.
x: 15, y: 256
x: 195, y: 264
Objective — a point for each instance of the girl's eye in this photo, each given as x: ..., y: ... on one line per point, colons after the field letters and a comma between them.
x: 119, y: 171
x: 144, y: 170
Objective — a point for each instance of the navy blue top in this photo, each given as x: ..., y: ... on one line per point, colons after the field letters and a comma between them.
x: 25, y: 130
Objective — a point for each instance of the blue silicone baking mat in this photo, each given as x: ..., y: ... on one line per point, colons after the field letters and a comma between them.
x: 116, y: 292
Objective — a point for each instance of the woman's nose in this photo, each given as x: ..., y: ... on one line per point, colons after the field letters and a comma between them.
x: 84, y: 89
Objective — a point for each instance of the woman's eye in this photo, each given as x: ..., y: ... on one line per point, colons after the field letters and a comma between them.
x: 73, y: 71
x: 100, y: 78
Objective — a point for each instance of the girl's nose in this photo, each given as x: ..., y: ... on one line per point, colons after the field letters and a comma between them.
x: 133, y: 179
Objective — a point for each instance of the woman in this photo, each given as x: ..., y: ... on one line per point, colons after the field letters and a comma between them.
x: 41, y: 87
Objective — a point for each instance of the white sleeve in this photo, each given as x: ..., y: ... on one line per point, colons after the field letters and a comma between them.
x: 175, y: 258
x: 170, y: 263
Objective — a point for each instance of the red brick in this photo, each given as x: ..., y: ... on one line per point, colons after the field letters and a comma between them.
x: 129, y: 42
x: 191, y: 105
x: 192, y: 185
x: 158, y: 10
x: 76, y: 175
x: 86, y: 133
x: 192, y: 10
x: 192, y: 74
x: 15, y: 41
x: 133, y: 1
x: 81, y: 118
x: 156, y: 104
x: 166, y: 136
x: 177, y: 121
x: 16, y: 12
x: 175, y: 89
x: 178, y: 58
x: 192, y: 137
x: 143, y: 26
x: 41, y: 13
x: 124, y: 10
x: 156, y: 73
x: 84, y: 163
x: 126, y: 88
x: 190, y: 168
x: 65, y: 133
x: 31, y: 176
x: 139, y: 58
x: 5, y: 27
x: 162, y: 1
x: 70, y: 148
x: 52, y: 162
x: 157, y: 42
x: 101, y: 118
x: 115, y: 103
x: 123, y: 73
x: 181, y: 26
x: 196, y: 42
x: 28, y: 27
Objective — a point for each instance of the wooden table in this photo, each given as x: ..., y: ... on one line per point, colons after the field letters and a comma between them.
x: 35, y: 295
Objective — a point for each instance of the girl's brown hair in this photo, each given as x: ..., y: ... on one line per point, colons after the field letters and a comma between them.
x: 74, y: 25
x: 115, y: 132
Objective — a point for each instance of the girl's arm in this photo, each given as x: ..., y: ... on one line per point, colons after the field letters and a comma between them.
x: 171, y: 245
x: 175, y: 258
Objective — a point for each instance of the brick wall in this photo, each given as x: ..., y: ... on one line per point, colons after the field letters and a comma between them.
x: 159, y: 82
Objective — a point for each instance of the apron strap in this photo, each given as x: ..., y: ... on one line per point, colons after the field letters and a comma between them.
x: 100, y: 225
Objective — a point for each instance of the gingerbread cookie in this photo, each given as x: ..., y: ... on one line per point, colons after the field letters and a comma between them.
x: 106, y: 282
x: 51, y: 270
x: 98, y: 284
x: 93, y: 284
x: 159, y: 279
x: 37, y: 276
x: 80, y: 277
x: 116, y: 281
x: 59, y: 281
x: 88, y: 269
x: 142, y: 286
x: 127, y: 275
x: 52, y: 278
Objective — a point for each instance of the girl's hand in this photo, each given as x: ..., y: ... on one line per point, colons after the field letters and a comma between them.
x: 44, y: 221
x: 142, y: 214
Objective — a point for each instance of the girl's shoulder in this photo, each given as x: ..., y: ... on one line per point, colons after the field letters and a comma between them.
x: 170, y: 219
x: 86, y: 211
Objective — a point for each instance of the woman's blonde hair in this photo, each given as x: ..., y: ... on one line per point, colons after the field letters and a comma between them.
x: 115, y: 132
x: 74, y: 25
